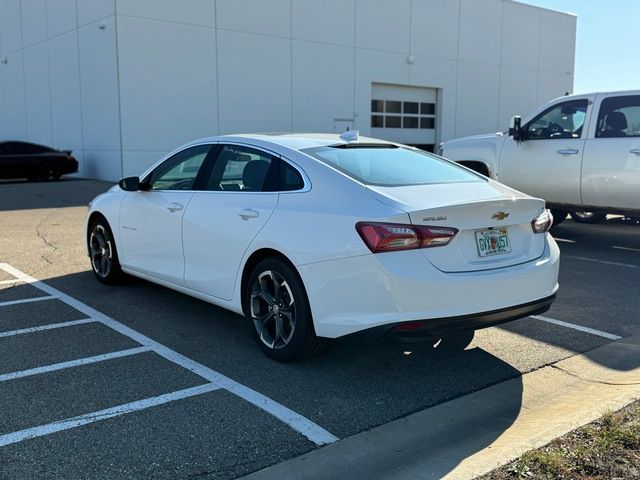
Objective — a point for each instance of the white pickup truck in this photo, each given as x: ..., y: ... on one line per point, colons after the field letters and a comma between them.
x: 581, y: 153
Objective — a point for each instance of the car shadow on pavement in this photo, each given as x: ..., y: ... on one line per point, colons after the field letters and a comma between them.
x: 67, y: 192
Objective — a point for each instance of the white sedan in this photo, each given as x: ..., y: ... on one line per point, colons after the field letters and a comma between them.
x: 319, y: 236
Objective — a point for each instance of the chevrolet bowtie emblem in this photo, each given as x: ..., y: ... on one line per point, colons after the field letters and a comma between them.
x: 500, y: 216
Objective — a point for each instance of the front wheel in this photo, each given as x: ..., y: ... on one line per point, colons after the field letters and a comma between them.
x: 588, y: 217
x: 277, y: 304
x: 103, y: 253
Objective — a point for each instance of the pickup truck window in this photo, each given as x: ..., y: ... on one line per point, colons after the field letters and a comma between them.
x: 564, y: 120
x: 619, y: 117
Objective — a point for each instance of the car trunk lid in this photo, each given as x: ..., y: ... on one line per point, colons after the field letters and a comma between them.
x: 480, y: 211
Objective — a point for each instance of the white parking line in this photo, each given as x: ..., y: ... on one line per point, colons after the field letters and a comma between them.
x: 26, y: 300
x: 50, y: 326
x: 73, y: 363
x: 580, y: 328
x: 297, y: 422
x: 564, y: 240
x: 105, y: 414
x: 628, y: 249
x: 603, y: 262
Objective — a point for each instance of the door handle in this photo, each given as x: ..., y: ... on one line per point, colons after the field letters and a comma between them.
x: 567, y: 151
x: 174, y: 207
x: 248, y: 213
x: 635, y: 150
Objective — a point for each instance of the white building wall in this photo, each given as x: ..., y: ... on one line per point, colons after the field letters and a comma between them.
x: 58, y: 79
x: 122, y: 82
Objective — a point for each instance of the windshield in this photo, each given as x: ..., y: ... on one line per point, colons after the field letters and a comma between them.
x: 391, y: 166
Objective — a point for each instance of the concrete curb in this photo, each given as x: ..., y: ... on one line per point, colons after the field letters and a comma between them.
x: 474, y: 434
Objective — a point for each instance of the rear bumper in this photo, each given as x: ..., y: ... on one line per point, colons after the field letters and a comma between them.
x: 69, y: 167
x: 354, y: 294
x: 440, y: 327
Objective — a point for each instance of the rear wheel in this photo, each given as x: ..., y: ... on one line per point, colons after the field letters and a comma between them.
x: 103, y: 253
x: 559, y: 216
x: 277, y: 304
x: 45, y: 172
x: 588, y: 217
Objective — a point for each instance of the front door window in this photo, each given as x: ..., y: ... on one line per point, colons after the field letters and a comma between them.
x: 180, y: 171
x: 560, y: 121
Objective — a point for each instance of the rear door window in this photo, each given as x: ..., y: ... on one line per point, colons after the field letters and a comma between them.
x: 33, y: 149
x: 240, y: 168
x: 290, y: 178
x: 245, y: 169
x: 619, y: 117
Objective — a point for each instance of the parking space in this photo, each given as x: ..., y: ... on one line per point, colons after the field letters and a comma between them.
x: 139, y: 381
x: 99, y: 331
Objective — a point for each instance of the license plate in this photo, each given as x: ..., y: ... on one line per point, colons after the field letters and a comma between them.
x: 493, y: 242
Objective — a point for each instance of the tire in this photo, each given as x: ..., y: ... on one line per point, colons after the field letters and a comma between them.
x: 455, y: 343
x: 103, y: 253
x: 559, y: 216
x: 588, y: 217
x: 277, y: 305
x: 45, y: 172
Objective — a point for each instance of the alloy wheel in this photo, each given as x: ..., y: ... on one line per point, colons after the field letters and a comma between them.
x: 101, y: 251
x: 273, y: 309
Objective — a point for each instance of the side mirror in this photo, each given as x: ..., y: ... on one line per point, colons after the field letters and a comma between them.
x: 515, y: 128
x: 130, y: 184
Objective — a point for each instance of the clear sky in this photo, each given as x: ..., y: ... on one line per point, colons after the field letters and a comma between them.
x: 608, y: 38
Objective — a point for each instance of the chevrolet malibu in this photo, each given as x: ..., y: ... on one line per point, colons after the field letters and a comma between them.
x: 314, y: 236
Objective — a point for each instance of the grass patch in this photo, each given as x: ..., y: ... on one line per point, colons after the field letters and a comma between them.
x: 608, y: 448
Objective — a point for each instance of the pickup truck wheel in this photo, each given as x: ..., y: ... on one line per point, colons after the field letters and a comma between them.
x: 559, y: 216
x: 588, y: 217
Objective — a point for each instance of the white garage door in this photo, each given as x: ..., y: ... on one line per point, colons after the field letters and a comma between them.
x: 404, y: 114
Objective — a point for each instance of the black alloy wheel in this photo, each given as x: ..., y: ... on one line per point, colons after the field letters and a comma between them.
x: 103, y: 253
x: 277, y: 304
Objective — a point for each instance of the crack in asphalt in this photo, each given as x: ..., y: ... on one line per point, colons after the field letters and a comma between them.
x: 45, y: 240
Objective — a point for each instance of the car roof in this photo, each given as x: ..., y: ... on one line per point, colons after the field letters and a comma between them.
x: 593, y: 94
x: 296, y: 141
x: 22, y: 142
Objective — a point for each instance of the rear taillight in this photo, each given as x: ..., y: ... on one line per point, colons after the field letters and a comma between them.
x: 408, y: 327
x: 542, y: 223
x: 389, y: 237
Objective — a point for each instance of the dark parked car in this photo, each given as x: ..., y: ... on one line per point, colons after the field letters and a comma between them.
x: 34, y: 162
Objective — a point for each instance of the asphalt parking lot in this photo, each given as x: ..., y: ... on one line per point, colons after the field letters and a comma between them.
x: 138, y: 381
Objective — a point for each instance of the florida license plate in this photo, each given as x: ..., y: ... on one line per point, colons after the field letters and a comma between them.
x: 493, y: 242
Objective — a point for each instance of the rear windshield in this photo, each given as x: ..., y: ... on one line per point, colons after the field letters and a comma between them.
x: 391, y: 166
